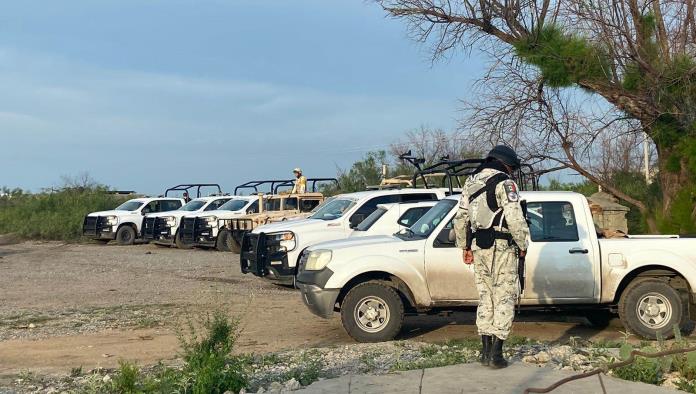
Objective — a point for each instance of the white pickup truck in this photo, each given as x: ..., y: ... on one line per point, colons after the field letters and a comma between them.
x: 207, y: 228
x: 162, y: 228
x: 124, y: 222
x: 272, y: 251
x: 391, y: 218
x: 374, y: 281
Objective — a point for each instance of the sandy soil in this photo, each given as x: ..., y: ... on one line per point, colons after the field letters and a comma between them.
x: 64, y: 306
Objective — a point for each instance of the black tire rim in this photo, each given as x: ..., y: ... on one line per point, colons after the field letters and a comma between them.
x: 126, y: 236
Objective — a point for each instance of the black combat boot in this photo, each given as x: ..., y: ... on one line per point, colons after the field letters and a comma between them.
x: 485, y: 358
x: 497, y: 360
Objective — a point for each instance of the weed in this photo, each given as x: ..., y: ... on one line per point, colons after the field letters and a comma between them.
x: 147, y: 322
x: 308, y: 371
x: 76, y: 371
x: 209, y: 366
x: 54, y: 214
x: 367, y: 361
x: 646, y: 370
x: 433, y: 356
x: 126, y: 380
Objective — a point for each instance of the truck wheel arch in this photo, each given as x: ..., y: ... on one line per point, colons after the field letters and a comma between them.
x: 671, y: 276
x: 386, y: 278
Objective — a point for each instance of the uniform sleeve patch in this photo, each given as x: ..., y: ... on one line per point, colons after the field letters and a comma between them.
x: 511, y: 191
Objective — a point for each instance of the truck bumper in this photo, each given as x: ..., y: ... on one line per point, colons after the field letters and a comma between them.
x: 265, y: 258
x: 95, y: 227
x: 320, y: 301
x: 157, y: 231
x: 196, y: 232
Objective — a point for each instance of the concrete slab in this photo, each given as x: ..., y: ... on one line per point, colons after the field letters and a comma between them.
x: 474, y: 378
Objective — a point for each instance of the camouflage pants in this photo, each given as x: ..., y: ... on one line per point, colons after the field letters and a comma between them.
x: 495, y: 270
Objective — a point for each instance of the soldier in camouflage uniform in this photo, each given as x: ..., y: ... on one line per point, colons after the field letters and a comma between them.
x: 491, y: 229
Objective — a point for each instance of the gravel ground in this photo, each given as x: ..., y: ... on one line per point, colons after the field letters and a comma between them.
x: 68, y: 305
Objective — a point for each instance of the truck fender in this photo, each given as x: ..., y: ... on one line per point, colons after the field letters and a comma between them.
x: 618, y: 278
x: 410, y: 276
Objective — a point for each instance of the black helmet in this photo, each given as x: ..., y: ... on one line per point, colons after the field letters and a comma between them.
x: 506, y: 155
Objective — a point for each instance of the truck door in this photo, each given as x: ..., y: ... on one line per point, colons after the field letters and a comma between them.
x: 449, y: 279
x: 559, y: 267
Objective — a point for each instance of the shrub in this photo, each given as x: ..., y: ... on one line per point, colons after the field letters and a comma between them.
x: 52, y: 215
x: 209, y: 366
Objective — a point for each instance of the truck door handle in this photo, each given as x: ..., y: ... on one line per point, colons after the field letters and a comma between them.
x: 578, y: 250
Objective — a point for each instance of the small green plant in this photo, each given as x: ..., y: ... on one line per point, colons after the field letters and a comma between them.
x: 76, y: 371
x: 209, y: 365
x: 433, y: 356
x: 126, y: 379
x: 308, y: 371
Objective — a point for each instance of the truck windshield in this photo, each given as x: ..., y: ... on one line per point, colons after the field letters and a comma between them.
x: 334, y: 209
x: 233, y: 205
x: 427, y: 223
x: 193, y: 205
x: 371, y: 219
x: 131, y: 205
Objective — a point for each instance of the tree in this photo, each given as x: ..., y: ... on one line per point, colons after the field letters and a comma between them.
x: 363, y: 173
x: 638, y: 56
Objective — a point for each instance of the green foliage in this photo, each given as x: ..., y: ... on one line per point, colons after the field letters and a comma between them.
x: 126, y: 380
x: 586, y: 188
x: 52, y: 215
x: 646, y: 370
x: 209, y: 365
x: 433, y: 356
x: 563, y: 59
x: 363, y: 173
x: 307, y: 371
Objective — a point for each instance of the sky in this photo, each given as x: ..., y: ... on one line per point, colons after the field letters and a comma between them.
x: 145, y: 94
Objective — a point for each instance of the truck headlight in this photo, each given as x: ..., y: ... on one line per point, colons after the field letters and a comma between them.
x: 112, y: 220
x: 286, y: 239
x: 211, y: 221
x: 170, y: 221
x: 318, y: 259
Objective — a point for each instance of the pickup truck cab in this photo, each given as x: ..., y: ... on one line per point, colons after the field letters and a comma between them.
x: 124, y: 222
x: 162, y: 228
x: 391, y: 218
x: 374, y: 281
x: 204, y: 228
x: 272, y: 251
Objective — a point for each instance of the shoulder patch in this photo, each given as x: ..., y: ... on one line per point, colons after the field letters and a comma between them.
x: 511, y: 191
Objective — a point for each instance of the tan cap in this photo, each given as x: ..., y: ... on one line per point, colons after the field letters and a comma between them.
x: 298, y: 169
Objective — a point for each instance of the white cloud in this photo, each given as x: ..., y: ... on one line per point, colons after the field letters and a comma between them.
x: 60, y: 117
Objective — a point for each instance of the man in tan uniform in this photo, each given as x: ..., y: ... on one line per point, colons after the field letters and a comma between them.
x: 300, y: 182
x: 491, y: 229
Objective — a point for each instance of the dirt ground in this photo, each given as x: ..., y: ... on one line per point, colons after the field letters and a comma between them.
x: 65, y: 306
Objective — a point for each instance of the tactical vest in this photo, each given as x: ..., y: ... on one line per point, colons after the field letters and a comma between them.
x: 488, y: 216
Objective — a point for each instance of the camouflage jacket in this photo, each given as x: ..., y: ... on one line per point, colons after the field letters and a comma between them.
x: 480, y: 216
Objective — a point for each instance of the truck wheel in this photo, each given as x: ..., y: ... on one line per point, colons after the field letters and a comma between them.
x: 125, y: 235
x: 180, y: 242
x: 651, y: 306
x: 223, y: 241
x: 372, y: 312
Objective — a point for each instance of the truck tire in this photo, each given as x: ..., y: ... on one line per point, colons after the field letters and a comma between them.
x: 372, y: 312
x: 125, y: 235
x: 180, y: 244
x: 224, y: 239
x: 651, y: 306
